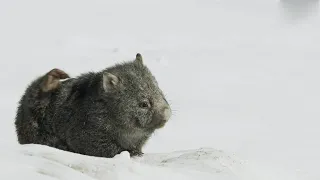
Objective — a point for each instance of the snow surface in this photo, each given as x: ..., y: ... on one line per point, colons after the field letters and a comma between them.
x: 48, y: 163
x: 241, y: 76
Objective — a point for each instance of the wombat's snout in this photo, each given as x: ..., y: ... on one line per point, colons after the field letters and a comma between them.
x: 162, y: 116
x: 166, y: 113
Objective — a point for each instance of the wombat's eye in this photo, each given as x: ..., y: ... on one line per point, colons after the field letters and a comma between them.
x: 144, y: 104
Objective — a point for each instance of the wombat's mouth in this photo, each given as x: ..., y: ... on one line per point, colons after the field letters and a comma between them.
x: 161, y: 124
x: 157, y: 123
x: 154, y: 124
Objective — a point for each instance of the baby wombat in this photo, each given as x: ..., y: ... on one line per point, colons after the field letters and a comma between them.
x: 98, y: 114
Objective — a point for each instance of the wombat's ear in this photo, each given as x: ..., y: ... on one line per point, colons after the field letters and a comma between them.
x: 138, y: 59
x: 110, y: 81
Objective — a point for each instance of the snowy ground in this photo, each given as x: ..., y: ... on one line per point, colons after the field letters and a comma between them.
x: 241, y: 76
x: 49, y: 163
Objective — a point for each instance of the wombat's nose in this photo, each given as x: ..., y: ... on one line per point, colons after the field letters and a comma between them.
x: 166, y: 114
x: 162, y: 116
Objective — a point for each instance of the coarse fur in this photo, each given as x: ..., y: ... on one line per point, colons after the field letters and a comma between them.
x: 97, y: 113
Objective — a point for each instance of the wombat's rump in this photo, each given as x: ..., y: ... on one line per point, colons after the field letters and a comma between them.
x: 97, y: 113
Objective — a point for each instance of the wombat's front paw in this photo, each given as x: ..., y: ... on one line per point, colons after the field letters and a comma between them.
x: 51, y: 79
x: 136, y: 153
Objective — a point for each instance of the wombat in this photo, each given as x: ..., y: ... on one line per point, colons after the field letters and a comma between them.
x: 97, y: 113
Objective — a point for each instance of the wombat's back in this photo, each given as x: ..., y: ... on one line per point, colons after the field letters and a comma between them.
x: 26, y: 122
x: 25, y: 125
x: 31, y: 117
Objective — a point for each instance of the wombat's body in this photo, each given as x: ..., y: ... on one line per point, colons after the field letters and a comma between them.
x: 98, y: 114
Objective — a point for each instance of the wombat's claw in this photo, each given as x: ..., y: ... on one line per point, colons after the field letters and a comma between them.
x: 51, y: 79
x: 136, y: 153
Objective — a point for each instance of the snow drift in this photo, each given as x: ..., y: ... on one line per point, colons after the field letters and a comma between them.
x: 42, y: 162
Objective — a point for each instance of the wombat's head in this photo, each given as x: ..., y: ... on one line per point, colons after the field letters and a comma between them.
x: 135, y: 97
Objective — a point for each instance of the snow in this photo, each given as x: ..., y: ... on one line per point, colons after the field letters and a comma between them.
x: 48, y: 163
x: 241, y: 76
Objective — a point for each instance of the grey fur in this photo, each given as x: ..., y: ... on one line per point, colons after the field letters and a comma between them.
x: 98, y: 114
